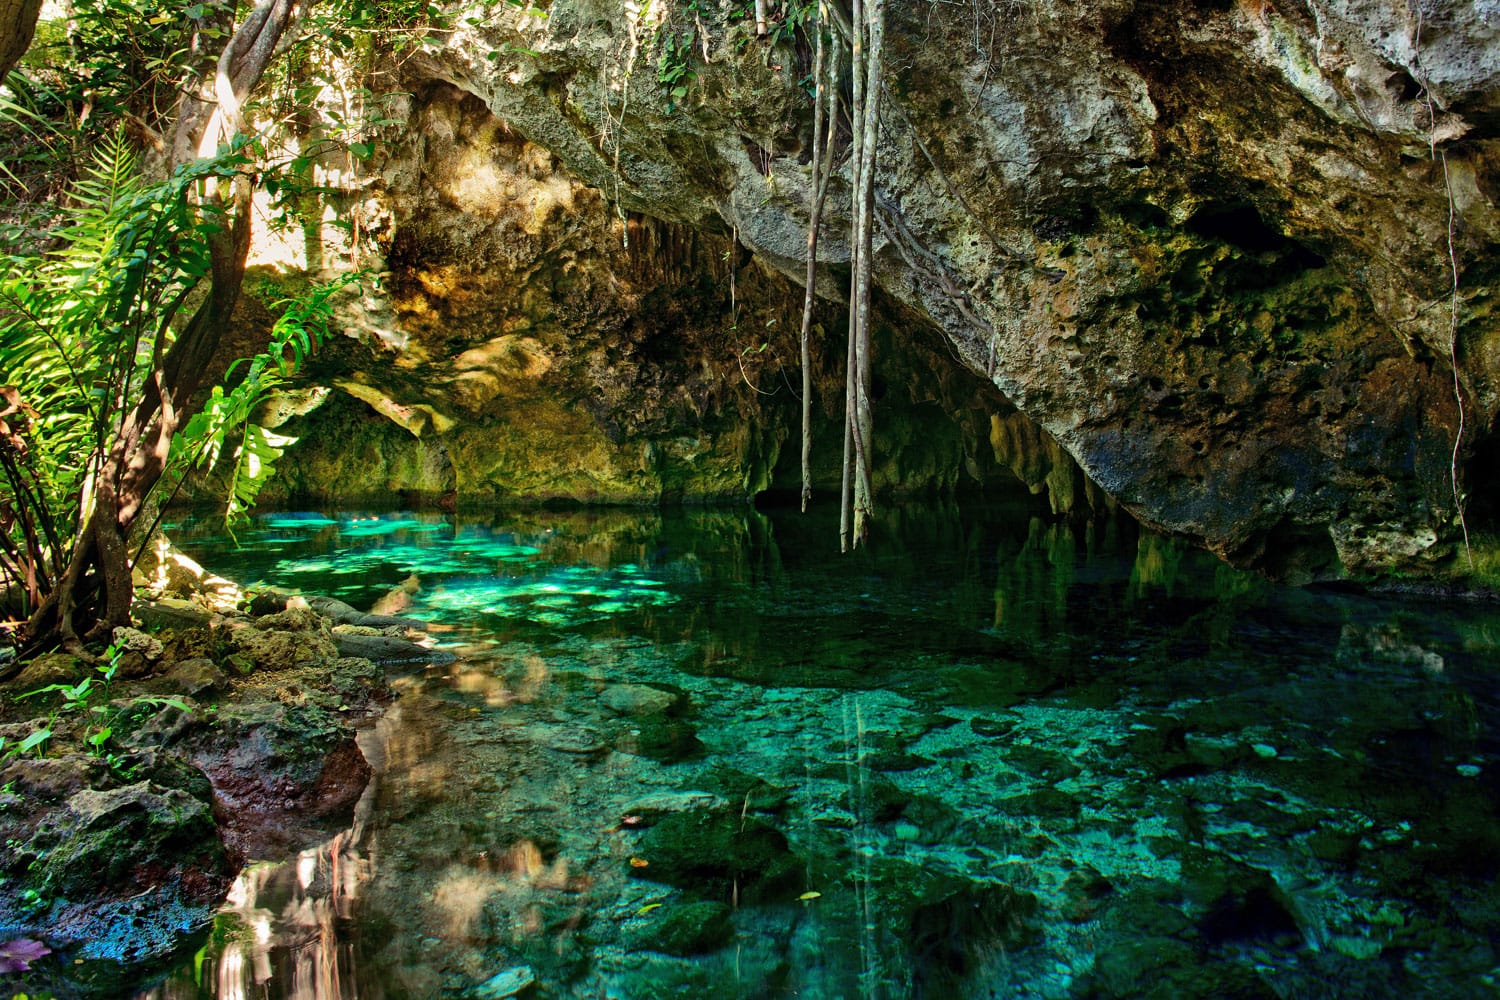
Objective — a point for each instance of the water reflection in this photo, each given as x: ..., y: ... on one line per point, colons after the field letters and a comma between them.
x: 992, y: 754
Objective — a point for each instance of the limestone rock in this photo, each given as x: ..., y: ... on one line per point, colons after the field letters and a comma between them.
x: 1203, y: 247
x: 49, y: 668
x: 685, y: 929
x: 639, y: 699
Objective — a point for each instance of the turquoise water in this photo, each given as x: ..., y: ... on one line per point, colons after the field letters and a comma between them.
x: 702, y: 754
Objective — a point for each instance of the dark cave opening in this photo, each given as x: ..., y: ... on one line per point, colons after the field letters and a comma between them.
x: 1481, y: 481
x: 1241, y: 225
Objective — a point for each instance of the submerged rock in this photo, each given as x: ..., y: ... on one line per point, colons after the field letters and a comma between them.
x: 510, y: 983
x: 641, y: 700
x: 717, y: 855
x: 685, y: 929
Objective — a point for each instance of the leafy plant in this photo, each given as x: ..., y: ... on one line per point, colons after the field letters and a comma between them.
x: 224, y: 427
x: 91, y: 699
x: 673, y: 69
x: 77, y: 326
x: 33, y: 740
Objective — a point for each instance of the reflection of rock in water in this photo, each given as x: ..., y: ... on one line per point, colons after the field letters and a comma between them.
x: 399, y: 599
x: 1385, y: 644
x: 278, y: 932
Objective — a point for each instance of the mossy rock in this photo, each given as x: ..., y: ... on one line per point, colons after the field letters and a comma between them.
x: 686, y: 929
x: 104, y: 837
x: 954, y: 927
x: 661, y: 738
x: 749, y: 792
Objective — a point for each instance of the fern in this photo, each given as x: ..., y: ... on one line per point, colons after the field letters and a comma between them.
x: 225, y: 426
x: 78, y: 325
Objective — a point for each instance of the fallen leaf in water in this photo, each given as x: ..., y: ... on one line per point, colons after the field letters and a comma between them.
x: 16, y: 956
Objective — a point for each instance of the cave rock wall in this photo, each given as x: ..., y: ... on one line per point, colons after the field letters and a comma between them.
x: 1209, y: 247
x: 527, y: 341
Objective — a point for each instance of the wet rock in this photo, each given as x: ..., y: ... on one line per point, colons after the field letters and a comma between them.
x: 894, y: 761
x: 1085, y: 890
x: 745, y: 791
x: 649, y: 809
x: 983, y: 726
x: 1050, y: 803
x: 123, y: 872
x: 1049, y: 765
x: 105, y: 835
x: 284, y: 775
x: 662, y: 739
x: 1212, y: 752
x: 684, y: 929
x: 1238, y: 904
x: 1141, y: 965
x: 934, y: 821
x: 344, y: 614
x: 569, y: 738
x: 641, y: 700
x: 510, y: 983
x: 950, y: 938
x: 1335, y: 846
x: 389, y: 650
x: 652, y: 975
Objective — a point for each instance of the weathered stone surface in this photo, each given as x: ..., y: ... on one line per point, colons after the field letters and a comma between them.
x: 1205, y: 247
x: 388, y: 650
x: 686, y: 929
x: 120, y: 872
x: 639, y: 699
x: 50, y: 668
x: 531, y: 345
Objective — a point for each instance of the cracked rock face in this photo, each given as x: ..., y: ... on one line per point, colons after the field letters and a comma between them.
x: 528, y: 344
x: 1206, y: 246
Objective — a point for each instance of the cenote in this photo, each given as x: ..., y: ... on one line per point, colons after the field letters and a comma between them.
x: 698, y: 753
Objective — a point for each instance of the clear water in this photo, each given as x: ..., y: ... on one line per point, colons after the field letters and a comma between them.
x: 701, y: 754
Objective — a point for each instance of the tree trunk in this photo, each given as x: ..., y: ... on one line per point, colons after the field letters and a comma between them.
x: 17, y: 27
x: 95, y: 592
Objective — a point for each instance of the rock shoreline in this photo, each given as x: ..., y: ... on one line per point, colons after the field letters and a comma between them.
x: 203, y: 742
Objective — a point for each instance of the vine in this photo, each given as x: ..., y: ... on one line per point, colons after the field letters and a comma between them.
x: 1441, y: 157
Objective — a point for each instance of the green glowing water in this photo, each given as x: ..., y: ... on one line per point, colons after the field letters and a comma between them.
x: 703, y: 755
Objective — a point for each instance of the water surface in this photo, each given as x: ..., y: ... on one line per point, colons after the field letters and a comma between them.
x: 702, y: 754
